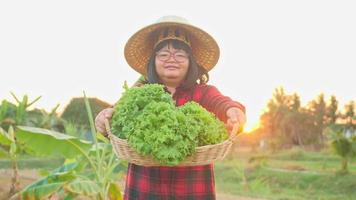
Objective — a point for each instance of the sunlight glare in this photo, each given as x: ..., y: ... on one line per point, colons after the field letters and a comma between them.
x: 249, y: 127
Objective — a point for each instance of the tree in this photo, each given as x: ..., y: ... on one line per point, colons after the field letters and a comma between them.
x: 350, y: 115
x: 283, y: 119
x: 317, y: 109
x: 331, y: 110
x: 75, y: 111
x: 345, y: 148
x: 277, y: 108
x: 290, y: 123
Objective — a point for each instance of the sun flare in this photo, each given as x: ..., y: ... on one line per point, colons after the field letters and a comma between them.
x: 249, y: 127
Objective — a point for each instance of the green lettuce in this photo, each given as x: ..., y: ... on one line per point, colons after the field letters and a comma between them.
x: 148, y: 118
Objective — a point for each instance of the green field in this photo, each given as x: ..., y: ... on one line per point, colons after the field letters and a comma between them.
x: 292, y: 174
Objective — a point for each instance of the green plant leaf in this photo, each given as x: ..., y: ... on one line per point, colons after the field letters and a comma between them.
x: 82, y: 187
x: 56, y: 177
x: 41, y: 191
x: 70, y: 197
x: 66, y: 168
x: 3, y: 109
x: 342, y: 147
x: 50, y: 184
x: 353, y: 148
x: 4, y: 154
x: 114, y: 192
x: 45, y: 142
x: 4, y: 138
x: 100, y: 137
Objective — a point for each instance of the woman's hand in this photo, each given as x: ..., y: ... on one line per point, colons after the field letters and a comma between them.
x: 100, y: 120
x: 235, y: 116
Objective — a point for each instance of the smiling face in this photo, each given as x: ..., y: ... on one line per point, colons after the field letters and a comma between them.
x: 171, y: 65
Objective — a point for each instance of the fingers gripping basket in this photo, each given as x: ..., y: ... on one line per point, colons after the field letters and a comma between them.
x: 203, y: 155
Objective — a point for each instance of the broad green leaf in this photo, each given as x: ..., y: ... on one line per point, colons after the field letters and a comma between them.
x: 67, y: 167
x: 70, y: 160
x: 4, y: 154
x: 50, y: 184
x: 41, y: 191
x: 4, y: 137
x: 3, y: 109
x: 13, y: 149
x: 43, y: 172
x: 70, y: 197
x: 101, y: 146
x: 82, y: 187
x: 100, y: 137
x: 58, y: 177
x: 342, y: 147
x: 11, y: 133
x: 114, y: 192
x: 45, y: 142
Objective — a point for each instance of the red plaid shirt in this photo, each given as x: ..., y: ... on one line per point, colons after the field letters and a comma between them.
x: 181, y: 182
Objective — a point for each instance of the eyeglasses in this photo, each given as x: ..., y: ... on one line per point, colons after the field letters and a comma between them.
x: 166, y: 55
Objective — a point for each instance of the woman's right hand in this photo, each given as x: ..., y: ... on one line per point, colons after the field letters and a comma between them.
x: 105, y: 114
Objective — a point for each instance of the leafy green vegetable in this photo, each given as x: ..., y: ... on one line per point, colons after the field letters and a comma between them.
x: 156, y: 133
x: 131, y: 104
x: 147, y: 117
x: 210, y: 129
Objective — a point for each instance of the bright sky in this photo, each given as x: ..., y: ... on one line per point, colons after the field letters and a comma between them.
x: 57, y: 49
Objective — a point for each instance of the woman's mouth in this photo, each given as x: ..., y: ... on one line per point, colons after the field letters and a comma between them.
x: 171, y: 67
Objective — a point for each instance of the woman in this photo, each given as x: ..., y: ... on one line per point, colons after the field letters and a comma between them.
x: 179, y: 56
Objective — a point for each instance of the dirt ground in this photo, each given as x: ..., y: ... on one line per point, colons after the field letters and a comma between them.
x: 30, y: 175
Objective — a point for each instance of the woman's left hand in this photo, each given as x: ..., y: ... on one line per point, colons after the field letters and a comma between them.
x: 235, y: 116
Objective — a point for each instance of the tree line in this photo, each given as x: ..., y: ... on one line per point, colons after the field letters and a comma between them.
x: 285, y: 122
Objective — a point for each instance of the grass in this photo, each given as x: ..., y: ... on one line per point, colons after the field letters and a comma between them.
x: 293, y: 174
x: 289, y: 175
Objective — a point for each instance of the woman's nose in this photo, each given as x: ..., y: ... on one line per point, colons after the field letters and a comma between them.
x: 171, y: 58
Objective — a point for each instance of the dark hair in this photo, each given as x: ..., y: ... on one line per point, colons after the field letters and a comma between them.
x: 196, y: 74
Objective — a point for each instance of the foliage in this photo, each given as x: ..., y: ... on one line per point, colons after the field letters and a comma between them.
x: 33, y: 139
x: 331, y: 110
x: 41, y: 119
x: 10, y: 116
x: 8, y: 140
x: 209, y: 129
x: 286, y: 123
x: 147, y: 117
x: 75, y: 111
x: 285, y: 120
x: 7, y: 114
x: 345, y: 148
x: 90, y: 172
x: 349, y: 116
x: 19, y: 114
x: 131, y: 105
x: 288, y: 174
x: 74, y: 130
x: 156, y: 133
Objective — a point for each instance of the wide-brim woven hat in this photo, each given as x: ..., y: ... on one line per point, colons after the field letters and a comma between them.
x: 139, y: 48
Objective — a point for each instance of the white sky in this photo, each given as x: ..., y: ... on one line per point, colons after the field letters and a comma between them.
x: 57, y: 49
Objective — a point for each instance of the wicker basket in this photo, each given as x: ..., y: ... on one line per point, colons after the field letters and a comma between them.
x: 203, y: 155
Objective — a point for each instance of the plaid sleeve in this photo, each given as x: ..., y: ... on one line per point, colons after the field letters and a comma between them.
x: 217, y: 103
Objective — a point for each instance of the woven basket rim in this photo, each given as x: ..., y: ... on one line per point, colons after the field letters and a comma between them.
x: 201, y: 155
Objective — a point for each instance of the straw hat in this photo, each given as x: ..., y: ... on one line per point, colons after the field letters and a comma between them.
x: 140, y: 46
